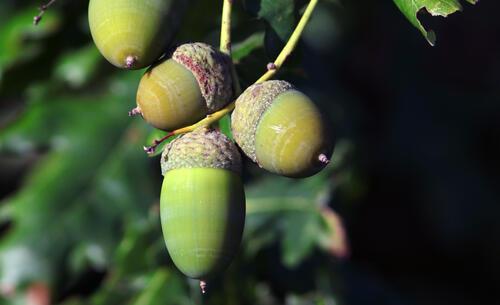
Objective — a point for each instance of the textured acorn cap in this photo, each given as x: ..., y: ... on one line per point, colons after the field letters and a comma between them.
x: 202, y: 148
x: 250, y: 107
x: 212, y: 70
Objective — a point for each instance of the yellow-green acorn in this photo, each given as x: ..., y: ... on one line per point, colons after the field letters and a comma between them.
x: 132, y: 34
x: 181, y: 90
x: 281, y: 130
x: 202, y: 202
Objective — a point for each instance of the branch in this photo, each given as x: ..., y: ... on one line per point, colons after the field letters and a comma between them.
x: 225, y: 41
x: 225, y: 31
x: 290, y: 46
x: 225, y: 45
x: 43, y: 8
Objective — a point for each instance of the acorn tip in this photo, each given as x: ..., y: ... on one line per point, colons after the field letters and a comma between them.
x: 134, y: 112
x: 203, y: 287
x: 130, y: 61
x: 323, y: 159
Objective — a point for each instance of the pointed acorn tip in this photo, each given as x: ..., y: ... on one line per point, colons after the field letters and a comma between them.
x: 203, y: 287
x: 130, y: 61
x: 149, y: 149
x: 323, y: 159
x: 37, y: 19
x: 134, y: 112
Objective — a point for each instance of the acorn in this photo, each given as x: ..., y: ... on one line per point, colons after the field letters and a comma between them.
x: 281, y: 130
x: 182, y: 90
x: 202, y: 204
x: 133, y: 34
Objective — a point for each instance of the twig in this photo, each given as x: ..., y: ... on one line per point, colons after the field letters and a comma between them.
x: 42, y: 8
x: 225, y: 31
x: 226, y: 43
x: 272, y: 68
x: 291, y: 44
x: 151, y: 149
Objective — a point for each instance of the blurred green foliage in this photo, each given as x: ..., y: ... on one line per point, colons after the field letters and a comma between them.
x: 83, y: 225
x: 414, y: 173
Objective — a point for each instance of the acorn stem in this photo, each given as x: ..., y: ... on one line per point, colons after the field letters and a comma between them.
x: 151, y: 149
x: 323, y: 159
x: 203, y: 286
x: 43, y: 8
x: 276, y: 65
x: 292, y: 42
x: 225, y: 42
x: 135, y: 112
x: 225, y: 31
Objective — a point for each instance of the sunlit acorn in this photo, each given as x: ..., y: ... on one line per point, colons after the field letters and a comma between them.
x: 202, y: 202
x: 133, y: 34
x: 281, y: 130
x: 181, y: 90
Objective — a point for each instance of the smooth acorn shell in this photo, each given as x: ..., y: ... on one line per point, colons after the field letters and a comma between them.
x: 133, y: 34
x: 291, y: 136
x: 287, y: 135
x: 169, y: 96
x: 202, y: 216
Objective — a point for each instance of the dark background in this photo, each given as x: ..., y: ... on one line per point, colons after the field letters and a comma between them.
x: 417, y: 186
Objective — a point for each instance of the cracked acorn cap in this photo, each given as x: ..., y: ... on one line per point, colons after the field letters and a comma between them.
x: 182, y: 90
x: 134, y: 34
x: 202, y: 203
x: 281, y: 130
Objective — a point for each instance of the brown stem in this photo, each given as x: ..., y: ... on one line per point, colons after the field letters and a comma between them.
x: 43, y: 8
x: 151, y: 149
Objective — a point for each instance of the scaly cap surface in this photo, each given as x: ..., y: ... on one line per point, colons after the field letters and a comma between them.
x: 212, y: 70
x: 202, y: 148
x: 250, y: 107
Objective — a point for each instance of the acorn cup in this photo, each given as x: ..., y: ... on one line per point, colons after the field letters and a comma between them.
x: 133, y: 34
x: 281, y: 130
x: 202, y: 202
x: 182, y: 90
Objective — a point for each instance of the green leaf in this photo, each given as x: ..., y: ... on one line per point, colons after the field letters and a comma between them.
x: 164, y: 287
x: 77, y: 68
x: 19, y: 38
x: 302, y: 231
x: 247, y: 46
x: 280, y: 18
x: 411, y: 9
x: 287, y: 210
x: 94, y: 173
x: 225, y: 126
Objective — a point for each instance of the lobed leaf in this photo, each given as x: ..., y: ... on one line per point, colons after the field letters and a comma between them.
x: 443, y: 8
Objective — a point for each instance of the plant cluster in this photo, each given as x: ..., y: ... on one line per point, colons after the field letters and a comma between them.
x: 274, y: 124
x: 186, y: 92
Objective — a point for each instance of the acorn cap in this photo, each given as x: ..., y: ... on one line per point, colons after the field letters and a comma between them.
x: 202, y: 148
x: 212, y: 70
x: 250, y: 107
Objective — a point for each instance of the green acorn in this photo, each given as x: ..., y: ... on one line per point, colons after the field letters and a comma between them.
x: 281, y: 130
x: 202, y: 202
x: 132, y: 34
x: 182, y: 90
